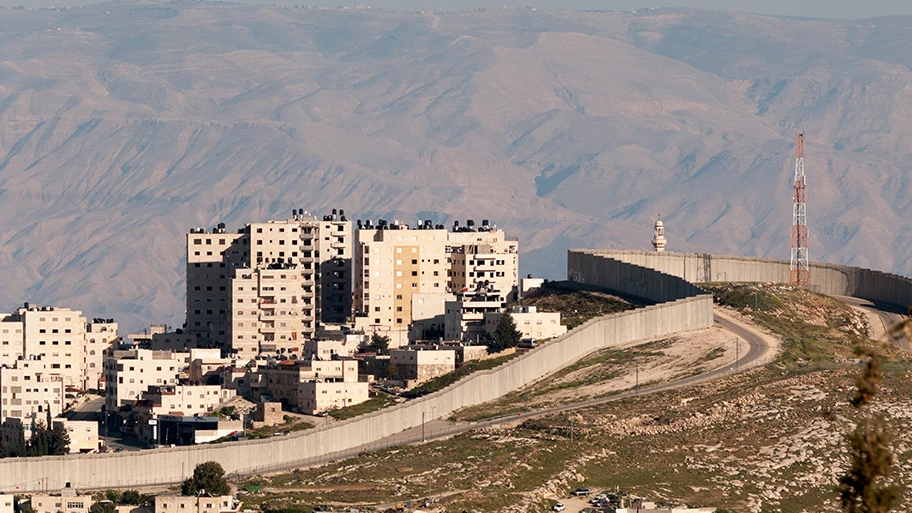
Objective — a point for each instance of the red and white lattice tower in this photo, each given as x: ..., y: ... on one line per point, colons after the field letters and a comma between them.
x: 799, y: 274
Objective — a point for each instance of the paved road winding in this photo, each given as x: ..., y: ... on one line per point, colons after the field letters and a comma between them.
x: 889, y: 316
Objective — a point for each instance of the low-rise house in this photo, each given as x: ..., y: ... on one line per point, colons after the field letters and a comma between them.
x: 530, y: 322
x: 66, y: 502
x: 419, y: 365
x: 196, y: 429
x: 83, y: 435
x: 196, y: 504
x: 206, y: 366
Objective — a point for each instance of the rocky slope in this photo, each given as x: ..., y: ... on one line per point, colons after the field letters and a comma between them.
x: 123, y: 124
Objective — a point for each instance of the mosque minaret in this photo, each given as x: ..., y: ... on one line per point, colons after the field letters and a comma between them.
x: 658, y: 237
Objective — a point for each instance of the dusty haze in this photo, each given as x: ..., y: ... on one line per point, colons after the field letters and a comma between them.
x: 125, y: 124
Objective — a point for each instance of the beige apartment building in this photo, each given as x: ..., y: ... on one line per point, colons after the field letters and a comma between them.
x: 69, y: 346
x: 130, y: 373
x: 405, y: 276
x: 316, y: 385
x: 28, y: 390
x: 267, y: 288
x: 530, y: 322
x: 83, y: 435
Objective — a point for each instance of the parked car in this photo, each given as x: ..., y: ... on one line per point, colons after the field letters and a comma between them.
x: 558, y: 507
x: 580, y: 492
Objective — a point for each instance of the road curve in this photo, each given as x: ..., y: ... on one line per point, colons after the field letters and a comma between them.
x: 888, y: 315
x: 760, y: 348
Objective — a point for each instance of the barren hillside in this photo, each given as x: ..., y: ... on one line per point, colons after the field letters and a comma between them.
x: 124, y: 124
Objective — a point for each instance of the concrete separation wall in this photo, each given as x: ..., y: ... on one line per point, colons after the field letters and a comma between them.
x: 831, y: 279
x: 680, y: 307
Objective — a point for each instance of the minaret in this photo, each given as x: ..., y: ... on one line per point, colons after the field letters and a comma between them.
x: 658, y: 237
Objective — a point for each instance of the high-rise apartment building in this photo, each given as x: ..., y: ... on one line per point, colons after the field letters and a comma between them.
x: 267, y: 288
x: 61, y: 338
x: 403, y: 275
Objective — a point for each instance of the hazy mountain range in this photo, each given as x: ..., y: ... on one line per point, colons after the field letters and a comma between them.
x: 124, y: 124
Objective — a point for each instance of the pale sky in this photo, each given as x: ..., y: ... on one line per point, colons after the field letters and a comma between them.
x: 813, y: 8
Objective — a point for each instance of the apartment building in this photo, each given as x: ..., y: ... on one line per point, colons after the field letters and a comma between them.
x: 268, y: 287
x: 180, y: 400
x: 405, y: 276
x: 314, y: 386
x: 69, y: 346
x: 83, y: 435
x: 530, y: 322
x: 393, y: 264
x: 130, y: 373
x: 28, y: 390
x: 483, y: 255
x: 329, y: 349
x: 465, y: 317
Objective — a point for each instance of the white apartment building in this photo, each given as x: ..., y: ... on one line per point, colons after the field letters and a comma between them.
x: 61, y: 338
x: 465, y: 317
x: 28, y: 390
x: 530, y: 322
x: 267, y: 288
x: 83, y: 435
x: 206, y: 365
x: 130, y: 373
x: 405, y: 276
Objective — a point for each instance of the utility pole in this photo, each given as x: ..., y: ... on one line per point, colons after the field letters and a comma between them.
x: 636, y: 386
x: 571, y: 429
x: 799, y: 267
x: 422, y: 427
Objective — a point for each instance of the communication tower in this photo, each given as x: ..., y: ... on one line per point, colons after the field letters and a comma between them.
x: 799, y: 274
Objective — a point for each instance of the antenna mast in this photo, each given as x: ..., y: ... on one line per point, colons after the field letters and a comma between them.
x: 799, y: 270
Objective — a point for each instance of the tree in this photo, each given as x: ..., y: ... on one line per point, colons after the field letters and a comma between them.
x: 38, y: 443
x: 209, y: 476
x: 58, y: 440
x: 131, y: 497
x: 102, y: 507
x: 862, y: 488
x: 505, y: 335
x: 379, y: 343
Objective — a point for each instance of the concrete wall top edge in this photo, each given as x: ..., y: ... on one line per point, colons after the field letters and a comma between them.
x: 822, y: 265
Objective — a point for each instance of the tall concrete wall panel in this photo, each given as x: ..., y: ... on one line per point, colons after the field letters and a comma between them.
x: 831, y: 279
x: 680, y: 307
